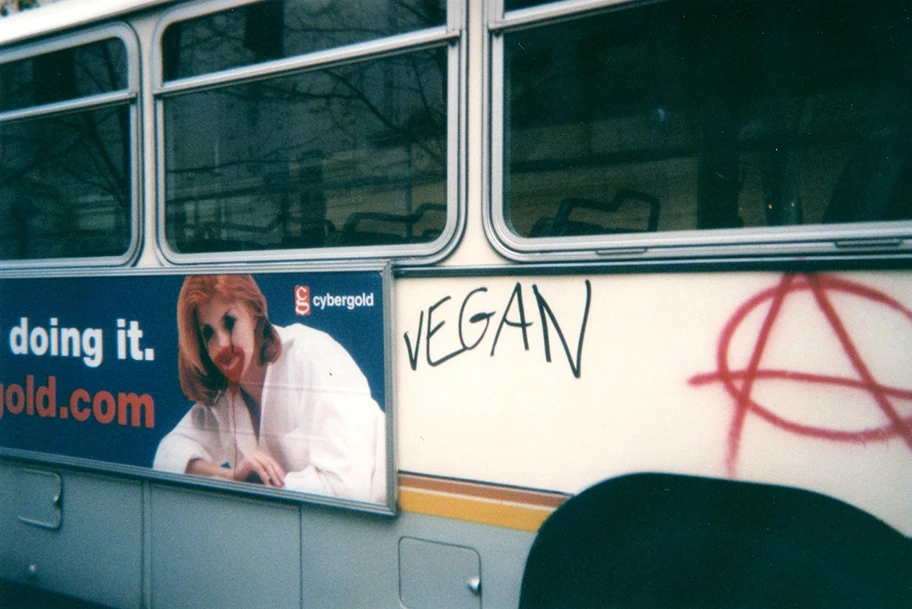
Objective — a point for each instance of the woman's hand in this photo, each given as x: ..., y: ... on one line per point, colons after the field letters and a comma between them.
x: 255, y: 467
x: 261, y: 465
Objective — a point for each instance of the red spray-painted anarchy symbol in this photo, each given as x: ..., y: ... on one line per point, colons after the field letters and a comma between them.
x: 740, y: 384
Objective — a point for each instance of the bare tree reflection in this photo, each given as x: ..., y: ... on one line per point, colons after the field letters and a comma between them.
x: 65, y: 176
x: 294, y: 160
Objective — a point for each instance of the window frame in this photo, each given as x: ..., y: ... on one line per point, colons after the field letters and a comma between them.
x: 451, y: 35
x: 130, y: 95
x: 845, y: 241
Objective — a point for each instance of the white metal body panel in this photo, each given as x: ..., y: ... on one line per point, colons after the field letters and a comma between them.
x: 651, y: 393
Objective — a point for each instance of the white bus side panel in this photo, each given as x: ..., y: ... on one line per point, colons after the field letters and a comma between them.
x: 801, y: 380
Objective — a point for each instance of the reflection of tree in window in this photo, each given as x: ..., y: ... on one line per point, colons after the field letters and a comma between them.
x: 287, y: 161
x: 65, y: 181
x: 276, y: 29
x: 65, y: 177
x: 730, y: 114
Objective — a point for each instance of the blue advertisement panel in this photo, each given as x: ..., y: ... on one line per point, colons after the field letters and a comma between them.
x: 276, y: 380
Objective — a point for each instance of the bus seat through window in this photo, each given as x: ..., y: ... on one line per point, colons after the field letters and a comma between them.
x: 607, y: 213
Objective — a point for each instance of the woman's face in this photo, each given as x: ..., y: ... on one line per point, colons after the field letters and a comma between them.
x: 227, y: 330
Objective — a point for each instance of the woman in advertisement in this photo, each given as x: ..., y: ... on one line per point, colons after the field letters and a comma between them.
x: 287, y: 407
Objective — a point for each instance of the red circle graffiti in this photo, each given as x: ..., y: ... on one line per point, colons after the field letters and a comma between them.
x: 740, y: 384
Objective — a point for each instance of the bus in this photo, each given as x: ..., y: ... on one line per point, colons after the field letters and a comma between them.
x: 587, y: 303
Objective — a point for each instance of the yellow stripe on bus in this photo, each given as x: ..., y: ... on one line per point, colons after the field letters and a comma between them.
x: 473, y: 509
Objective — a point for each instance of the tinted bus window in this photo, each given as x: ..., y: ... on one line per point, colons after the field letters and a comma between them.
x: 702, y: 114
x: 66, y: 173
x: 512, y: 5
x: 353, y: 155
x: 346, y: 154
x: 276, y: 29
x: 83, y: 71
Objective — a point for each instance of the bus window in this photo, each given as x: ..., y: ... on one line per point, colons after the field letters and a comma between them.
x: 686, y: 123
x: 293, y: 125
x: 274, y: 29
x: 66, y: 163
x: 512, y: 5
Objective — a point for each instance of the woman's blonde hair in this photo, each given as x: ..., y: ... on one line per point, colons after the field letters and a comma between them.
x: 200, y: 380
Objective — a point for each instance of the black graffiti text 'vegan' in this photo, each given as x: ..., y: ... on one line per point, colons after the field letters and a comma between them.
x: 471, y: 328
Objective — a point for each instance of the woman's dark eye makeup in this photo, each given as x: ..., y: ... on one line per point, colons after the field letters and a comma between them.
x: 228, y: 322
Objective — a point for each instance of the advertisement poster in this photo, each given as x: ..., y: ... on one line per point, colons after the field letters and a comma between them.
x: 274, y: 381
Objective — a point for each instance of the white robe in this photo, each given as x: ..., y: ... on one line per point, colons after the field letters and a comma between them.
x: 317, y: 419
